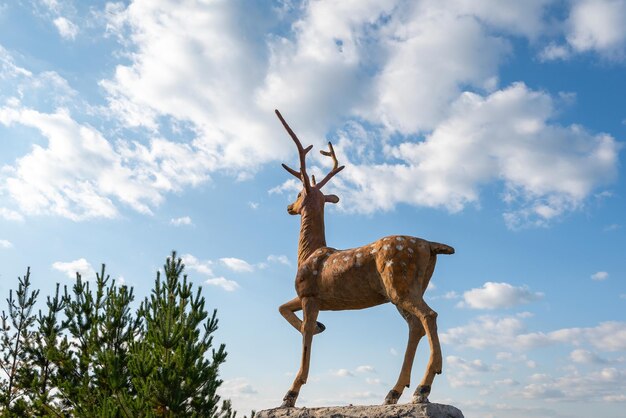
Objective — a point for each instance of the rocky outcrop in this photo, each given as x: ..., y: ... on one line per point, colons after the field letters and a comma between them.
x: 424, y: 410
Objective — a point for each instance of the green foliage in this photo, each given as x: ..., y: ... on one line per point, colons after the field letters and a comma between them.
x: 90, y: 355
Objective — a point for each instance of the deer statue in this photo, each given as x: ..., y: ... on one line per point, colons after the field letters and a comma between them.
x: 393, y: 269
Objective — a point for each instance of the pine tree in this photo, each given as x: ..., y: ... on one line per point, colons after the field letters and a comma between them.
x: 171, y: 370
x: 90, y: 355
x: 16, y: 332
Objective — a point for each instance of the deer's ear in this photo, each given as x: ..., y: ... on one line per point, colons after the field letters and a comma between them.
x: 331, y: 198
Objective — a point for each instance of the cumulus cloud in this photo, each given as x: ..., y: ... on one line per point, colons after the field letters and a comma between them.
x: 237, y: 387
x: 280, y: 259
x: 498, y: 295
x: 463, y: 373
x: 600, y: 276
x: 366, y: 368
x: 10, y: 215
x: 70, y: 268
x: 202, y: 267
x: 372, y: 62
x: 184, y: 220
x: 80, y: 175
x: 604, y: 384
x: 466, y: 55
x: 66, y: 28
x: 274, y: 259
x: 555, y: 51
x: 585, y: 357
x: 506, y: 136
x: 205, y: 267
x: 237, y: 264
x: 5, y: 244
x: 224, y: 283
x: 598, y: 25
x: 342, y: 373
x: 511, y: 331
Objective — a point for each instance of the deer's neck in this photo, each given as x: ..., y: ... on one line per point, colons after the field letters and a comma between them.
x: 312, y: 234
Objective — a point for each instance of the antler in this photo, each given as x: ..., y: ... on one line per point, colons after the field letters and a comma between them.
x: 302, y: 175
x: 336, y: 169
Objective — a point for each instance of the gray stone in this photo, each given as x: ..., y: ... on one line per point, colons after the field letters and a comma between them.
x: 424, y: 410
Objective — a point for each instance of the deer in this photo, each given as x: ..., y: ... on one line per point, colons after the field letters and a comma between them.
x: 395, y: 269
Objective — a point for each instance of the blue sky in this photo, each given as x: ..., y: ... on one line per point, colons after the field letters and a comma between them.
x: 129, y: 129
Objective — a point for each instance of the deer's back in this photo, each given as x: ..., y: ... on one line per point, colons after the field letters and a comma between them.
x: 362, y: 277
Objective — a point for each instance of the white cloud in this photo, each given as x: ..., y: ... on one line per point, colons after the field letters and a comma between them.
x: 79, y: 173
x: 555, y: 52
x: 600, y: 276
x: 373, y: 381
x: 466, y: 365
x: 280, y: 259
x: 366, y: 368
x: 237, y: 264
x: 184, y: 220
x: 202, y: 267
x: 505, y: 136
x: 585, y: 357
x: 274, y: 259
x: 70, y: 268
x: 342, y: 373
x: 603, y: 384
x: 10, y: 215
x: 206, y: 267
x: 227, y: 285
x: 498, y: 295
x: 411, y: 79
x: 237, y: 387
x: 289, y: 185
x: 507, y: 382
x: 371, y: 61
x: 598, y: 25
x: 253, y: 205
x: 66, y: 28
x: 520, y: 17
x: 612, y: 227
x: 511, y: 332
x: 5, y: 243
x: 217, y: 56
x: 451, y: 295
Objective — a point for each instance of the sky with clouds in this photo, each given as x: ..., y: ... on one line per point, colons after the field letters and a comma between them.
x: 131, y: 128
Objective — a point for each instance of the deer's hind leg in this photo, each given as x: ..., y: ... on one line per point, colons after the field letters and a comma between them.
x: 311, y: 309
x: 408, y: 295
x: 428, y: 318
x: 288, y: 309
x: 416, y: 332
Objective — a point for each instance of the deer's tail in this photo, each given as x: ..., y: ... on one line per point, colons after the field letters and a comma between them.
x: 437, y: 248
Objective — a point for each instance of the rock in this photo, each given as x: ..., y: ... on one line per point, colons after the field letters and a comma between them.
x: 424, y: 410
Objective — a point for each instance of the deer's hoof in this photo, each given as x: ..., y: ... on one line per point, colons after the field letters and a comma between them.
x: 392, y: 397
x: 320, y: 328
x: 421, y: 394
x: 289, y: 401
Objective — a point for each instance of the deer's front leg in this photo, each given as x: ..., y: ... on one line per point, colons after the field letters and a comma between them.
x: 310, y: 309
x: 294, y: 305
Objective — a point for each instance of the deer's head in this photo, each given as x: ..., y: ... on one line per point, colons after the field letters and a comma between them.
x: 311, y: 197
